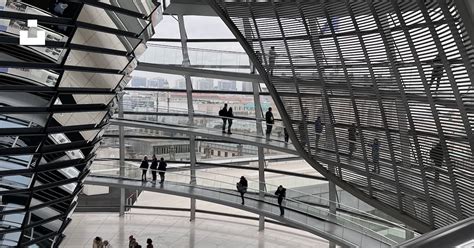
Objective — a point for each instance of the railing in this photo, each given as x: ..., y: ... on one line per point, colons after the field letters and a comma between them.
x: 240, y: 125
x: 131, y: 199
x: 214, y: 181
x: 292, y: 194
x: 204, y: 58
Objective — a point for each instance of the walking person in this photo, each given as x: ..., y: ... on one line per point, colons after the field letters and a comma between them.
x: 223, y: 114
x: 106, y: 244
x: 281, y: 193
x: 271, y: 59
x: 242, y: 186
x: 375, y: 155
x: 162, y: 169
x: 287, y: 136
x: 302, y: 131
x: 258, y: 54
x: 97, y: 242
x: 149, y: 243
x: 352, y: 139
x: 153, y: 167
x: 144, y: 167
x: 318, y: 128
x: 436, y: 154
x: 270, y: 121
x: 132, y: 242
x: 230, y: 115
x: 437, y: 72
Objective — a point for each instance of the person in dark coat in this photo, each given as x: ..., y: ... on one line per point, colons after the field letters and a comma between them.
x: 352, y: 139
x: 230, y: 114
x: 242, y: 186
x: 270, y: 121
x: 271, y: 59
x: 436, y: 154
x: 144, y: 167
x: 281, y: 193
x: 131, y: 241
x: 223, y: 114
x: 375, y: 155
x: 437, y: 72
x: 318, y: 128
x: 149, y: 243
x: 287, y: 136
x: 162, y: 169
x: 153, y: 167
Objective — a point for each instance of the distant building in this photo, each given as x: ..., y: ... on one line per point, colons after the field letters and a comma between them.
x: 157, y: 82
x: 139, y: 82
x: 247, y: 86
x: 204, y: 84
x: 180, y: 83
x: 227, y: 85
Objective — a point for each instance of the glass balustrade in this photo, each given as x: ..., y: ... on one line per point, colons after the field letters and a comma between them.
x: 220, y: 183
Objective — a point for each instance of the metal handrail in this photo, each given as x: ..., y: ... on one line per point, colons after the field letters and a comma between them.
x: 328, y: 215
x: 318, y: 197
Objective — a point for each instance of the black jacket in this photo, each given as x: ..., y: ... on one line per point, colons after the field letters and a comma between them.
x: 281, y: 193
x: 162, y: 166
x: 223, y: 112
x: 269, y: 117
x: 352, y: 133
x: 154, y: 164
x: 144, y: 165
x: 436, y: 153
x: 243, y: 182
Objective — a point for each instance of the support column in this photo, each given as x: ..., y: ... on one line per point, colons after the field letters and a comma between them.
x: 189, y: 94
x: 259, y: 118
x: 260, y: 151
x: 121, y: 154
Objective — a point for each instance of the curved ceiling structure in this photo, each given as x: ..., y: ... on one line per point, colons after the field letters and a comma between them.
x: 401, y: 71
x: 55, y: 100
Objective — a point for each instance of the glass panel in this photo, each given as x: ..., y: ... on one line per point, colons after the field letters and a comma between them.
x: 90, y: 80
x: 15, y: 182
x: 16, y: 162
x: 79, y: 118
x: 142, y: 6
x: 99, y: 60
x: 35, y: 76
x: 215, y: 27
x: 13, y: 27
x: 22, y: 120
x: 223, y: 57
x: 85, y: 99
x: 167, y: 28
x: 23, y: 99
x: 104, y: 40
x: 110, y: 19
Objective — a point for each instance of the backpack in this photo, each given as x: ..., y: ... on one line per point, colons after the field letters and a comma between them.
x: 221, y: 112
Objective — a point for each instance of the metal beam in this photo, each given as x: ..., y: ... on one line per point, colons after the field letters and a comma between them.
x: 189, y: 94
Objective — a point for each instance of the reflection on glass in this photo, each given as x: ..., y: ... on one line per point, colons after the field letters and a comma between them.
x: 90, y: 80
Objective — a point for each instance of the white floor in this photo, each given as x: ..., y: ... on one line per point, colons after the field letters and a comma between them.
x: 173, y: 229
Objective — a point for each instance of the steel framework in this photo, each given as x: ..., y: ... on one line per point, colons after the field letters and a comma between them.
x: 56, y: 103
x: 400, y: 71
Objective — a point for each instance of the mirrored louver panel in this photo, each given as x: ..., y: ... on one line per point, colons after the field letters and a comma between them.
x: 55, y: 100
